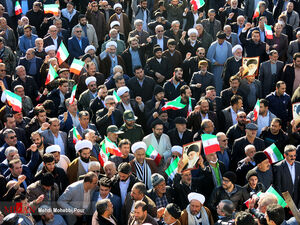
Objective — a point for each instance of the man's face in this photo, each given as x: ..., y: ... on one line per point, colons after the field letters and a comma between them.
x: 186, y: 177
x: 290, y: 157
x: 290, y: 7
x: 135, y: 194
x: 118, y: 10
x: 256, y: 37
x: 226, y: 183
x: 123, y: 176
x: 78, y: 32
x: 240, y: 21
x: 110, y: 103
x: 250, y: 153
x: 178, y: 75
x: 102, y: 93
x: 193, y: 37
x: 227, y: 31
x: 274, y: 57
x: 251, y: 133
x: 223, y: 141
x: 234, y: 4
x: 281, y: 90
x: 104, y: 191
x: 234, y: 84
x: 176, y: 27
x: 13, y: 155
x: 112, y: 50
x: 11, y: 123
x: 27, y: 32
x: 158, y: 54
x: 210, y: 127
x: 94, y: 183
x: 83, y: 21
x: 92, y: 69
x: 275, y: 127
x: 238, y: 53
x: 253, y: 182
x: 72, y: 108
x: 220, y: 41
x: 37, y: 139
x: 125, y: 149
x: 297, y: 62
x: 181, y: 127
x: 161, y: 188
x: 125, y: 98
x: 264, y: 165
x: 84, y: 120
x: 21, y: 72
x: 212, y: 158
x: 2, y: 70
x: 241, y: 118
x: 29, y: 54
x: 195, y: 207
x: 168, y: 219
x: 56, y: 156
x: 58, y: 24
x: 112, y: 136
x: 140, y: 155
x: 160, y: 96
x: 278, y: 29
x: 240, y: 104
x: 85, y: 154
x: 204, y: 107
x: 92, y: 87
x: 139, y: 214
x: 140, y: 74
x: 139, y: 26
x: 53, y: 31
x: 211, y: 94
x: 199, y: 29
x: 64, y: 87
x: 262, y: 109
x: 144, y: 4
x: 211, y: 16
x: 171, y: 48
x: 50, y: 166
x: 134, y: 45
x: 130, y: 123
x: 11, y: 139
x: 17, y: 170
x: 192, y: 155
x: 65, y: 75
x: 54, y: 127
x: 20, y: 91
x: 158, y: 130
x: 159, y: 32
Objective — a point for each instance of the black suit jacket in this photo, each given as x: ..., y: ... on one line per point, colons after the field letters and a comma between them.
x: 164, y: 68
x: 288, y: 76
x: 23, y: 61
x: 126, y: 55
x: 187, y: 137
x: 103, y: 121
x: 154, y: 42
x: 48, y: 41
x: 283, y: 180
x: 54, y: 96
x: 145, y: 91
x: 194, y: 120
x: 95, y: 105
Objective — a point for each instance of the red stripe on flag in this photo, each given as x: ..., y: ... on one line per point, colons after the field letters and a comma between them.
x: 157, y: 159
x: 211, y: 149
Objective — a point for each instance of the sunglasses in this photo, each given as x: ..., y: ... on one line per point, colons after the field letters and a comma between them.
x: 79, y: 31
x: 13, y: 137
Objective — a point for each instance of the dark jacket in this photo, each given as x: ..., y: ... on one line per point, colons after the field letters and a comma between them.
x: 30, y: 87
x: 194, y: 120
x: 231, y: 67
x: 126, y: 56
x: 23, y: 61
x: 175, y: 139
x: 170, y: 91
x: 103, y: 121
x: 74, y: 48
x: 115, y: 187
x: 55, y: 97
x: 48, y: 41
x: 208, y: 79
x: 169, y: 194
x: 246, y: 190
x: 146, y: 91
x: 288, y: 76
x: 280, y: 140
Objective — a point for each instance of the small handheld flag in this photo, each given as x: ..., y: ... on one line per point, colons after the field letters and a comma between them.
x: 76, y: 136
x: 256, y: 110
x: 172, y: 169
x: 174, y: 105
x: 273, y: 153
x: 76, y: 66
x: 14, y: 100
x: 153, y: 154
x: 268, y: 32
x: 210, y: 143
x: 51, y: 8
x: 72, y: 98
x: 62, y: 53
x: 18, y: 9
x: 51, y: 75
x: 197, y: 4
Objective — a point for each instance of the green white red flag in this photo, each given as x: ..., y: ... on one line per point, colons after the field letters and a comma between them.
x: 172, y: 169
x: 76, y: 136
x: 111, y: 147
x: 76, y: 66
x: 18, y: 9
x: 51, y: 75
x: 14, y: 100
x: 197, y: 4
x: 153, y: 154
x: 256, y: 12
x: 268, y: 32
x: 256, y: 110
x: 51, y: 8
x: 278, y: 196
x: 116, y: 97
x: 72, y: 98
x: 62, y: 53
x: 273, y: 153
x: 174, y: 105
x: 210, y: 143
x: 103, y: 155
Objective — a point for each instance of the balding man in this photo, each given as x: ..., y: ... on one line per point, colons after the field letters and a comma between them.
x: 224, y: 154
x: 159, y: 38
x: 53, y: 38
x: 245, y: 164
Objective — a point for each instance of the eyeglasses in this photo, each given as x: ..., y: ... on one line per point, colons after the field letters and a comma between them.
x: 78, y: 31
x: 224, y: 140
x: 242, y: 117
x: 201, y: 53
x: 96, y: 171
x: 226, y: 181
x: 12, y: 137
x: 110, y: 103
x: 174, y: 156
x: 160, y: 31
x: 2, y: 70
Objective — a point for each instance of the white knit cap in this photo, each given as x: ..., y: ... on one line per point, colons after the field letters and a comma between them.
x: 53, y: 148
x: 90, y: 47
x: 82, y: 144
x: 122, y: 90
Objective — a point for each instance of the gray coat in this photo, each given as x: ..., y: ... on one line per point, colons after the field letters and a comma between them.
x: 138, y: 12
x: 84, y: 100
x: 206, y: 24
x: 294, y: 19
x: 250, y: 7
x: 48, y: 137
x: 292, y: 49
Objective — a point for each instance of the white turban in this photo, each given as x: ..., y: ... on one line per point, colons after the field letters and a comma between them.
x: 89, y: 80
x: 117, y: 5
x: 49, y: 48
x: 53, y: 148
x: 192, y: 31
x: 138, y: 145
x: 236, y: 48
x: 111, y: 43
x: 90, y: 47
x: 114, y: 23
x: 82, y: 144
x: 122, y: 90
x: 177, y: 148
x: 196, y: 196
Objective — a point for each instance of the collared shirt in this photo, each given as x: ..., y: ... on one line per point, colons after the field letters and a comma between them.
x: 62, y: 99
x: 145, y: 22
x: 127, y: 107
x: 180, y: 135
x: 273, y: 68
x: 79, y: 42
x: 160, y: 42
x: 204, y: 117
x: 75, y: 120
x: 158, y: 60
x: 86, y: 199
x: 262, y: 121
x: 55, y: 42
x: 233, y: 116
x: 262, y: 35
x: 123, y: 189
x: 135, y: 58
x: 100, y: 198
x: 292, y: 171
x: 59, y: 141
x: 161, y: 202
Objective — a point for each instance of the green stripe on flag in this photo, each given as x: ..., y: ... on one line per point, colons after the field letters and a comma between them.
x: 276, y: 152
x: 150, y: 149
x: 173, y: 166
x: 278, y: 196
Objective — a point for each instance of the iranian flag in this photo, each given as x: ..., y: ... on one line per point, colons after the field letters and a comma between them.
x: 175, y: 104
x: 256, y: 110
x: 18, y: 9
x: 190, y: 107
x: 278, y: 196
x: 153, y: 154
x: 111, y: 147
x: 268, y: 32
x: 76, y: 136
x: 103, y: 155
x: 273, y: 153
x: 51, y: 8
x: 210, y: 143
x: 76, y: 66
x: 197, y: 4
x: 62, y: 53
x: 51, y: 75
x: 72, y: 98
x: 256, y: 12
x: 116, y: 97
x: 172, y: 169
x: 14, y: 100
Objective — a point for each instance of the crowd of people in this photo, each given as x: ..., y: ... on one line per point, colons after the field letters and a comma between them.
x: 158, y: 77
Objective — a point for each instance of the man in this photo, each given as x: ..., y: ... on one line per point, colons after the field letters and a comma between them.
x: 240, y: 144
x: 229, y: 114
x: 175, y: 10
x: 60, y: 177
x: 279, y: 42
x: 138, y: 193
x: 53, y: 38
x: 280, y: 103
x: 172, y: 86
x: 104, y: 212
x: 175, y: 32
x: 36, y: 122
x: 159, y: 39
x: 231, y: 37
x: 214, y: 101
x: 191, y: 44
x: 108, y: 115
x: 250, y: 8
x: 131, y: 130
x: 88, y: 95
x: 195, y: 212
x: 286, y: 176
x: 124, y: 146
x: 77, y: 44
x: 79, y: 166
x: 140, y: 215
x: 88, y: 30
x: 133, y: 56
x: 207, y: 127
x: 252, y: 186
x: 246, y: 164
x: 262, y: 5
x: 171, y: 214
x: 27, y: 105
x: 229, y: 190
x: 160, y: 194
x: 70, y: 14
x: 224, y: 153
x: 112, y: 133
x: 160, y: 141
x: 173, y: 55
x: 273, y: 67
x: 263, y: 169
x: 109, y: 169
x: 225, y: 210
x: 232, y: 65
x: 98, y: 102
x: 218, y: 53
x: 140, y: 31
x: 113, y: 34
x: 275, y: 214
x: 238, y: 26
x: 8, y: 34
x: 69, y: 118
x: 141, y: 85
x: 180, y: 135
x: 156, y: 103
x: 123, y: 181
x: 143, y: 167
x: 52, y: 135
x: 7, y: 57
x: 141, y: 13
x: 48, y: 217
x: 292, y: 15
x: 211, y: 24
x: 77, y: 195
x: 201, y: 80
x: 27, y: 40
x: 273, y: 134
x: 293, y: 48
x: 158, y: 66
x: 231, y: 13
x: 122, y: 18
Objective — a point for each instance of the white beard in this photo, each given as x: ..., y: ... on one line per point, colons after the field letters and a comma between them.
x: 252, y: 71
x: 191, y: 163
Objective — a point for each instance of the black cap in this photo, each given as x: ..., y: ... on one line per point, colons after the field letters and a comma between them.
x: 47, y: 179
x: 250, y: 174
x: 171, y: 42
x: 158, y: 89
x: 156, y: 122
x: 221, y: 35
x: 124, y: 168
x: 158, y: 14
x: 173, y: 210
x: 259, y: 157
x: 156, y: 48
x: 192, y: 148
x: 231, y: 176
x: 180, y: 120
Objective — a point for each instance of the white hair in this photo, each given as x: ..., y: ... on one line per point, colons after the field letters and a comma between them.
x: 9, y: 150
x: 93, y: 164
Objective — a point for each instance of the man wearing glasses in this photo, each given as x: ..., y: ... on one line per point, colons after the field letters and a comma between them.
x: 52, y: 38
x: 125, y: 27
x: 223, y: 155
x: 77, y: 44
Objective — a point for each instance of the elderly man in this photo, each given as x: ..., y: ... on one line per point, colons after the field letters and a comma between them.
x: 180, y: 135
x: 53, y: 38
x: 191, y: 44
x: 110, y: 169
x: 175, y: 32
x: 91, y: 50
x: 78, y: 195
x: 218, y: 53
x: 121, y: 17
x: 143, y: 167
x: 77, y: 44
x: 140, y: 31
x: 113, y: 34
x: 245, y: 164
x: 48, y: 217
x: 159, y: 38
x: 195, y: 213
x: 263, y: 169
x: 79, y: 166
x: 87, y: 96
x: 224, y: 154
x: 104, y: 212
x: 231, y: 37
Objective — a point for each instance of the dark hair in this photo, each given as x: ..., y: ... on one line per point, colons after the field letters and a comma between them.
x: 296, y: 55
x: 124, y: 142
x: 283, y: 17
x: 38, y: 109
x: 101, y: 206
x: 235, y: 99
x: 48, y: 157
x: 141, y: 187
x: 234, y: 77
x: 142, y: 204
x: 83, y: 113
x: 61, y: 81
x: 183, y: 88
x: 277, y: 120
x: 275, y: 213
x: 137, y: 68
x: 279, y: 83
x: 255, y: 32
x: 244, y: 218
x: 27, y: 26
x: 81, y: 16
x: 19, y: 198
x: 6, y: 117
x: 89, y: 177
x: 105, y: 182
x: 118, y: 78
x: 264, y: 101
x: 49, y: 104
x: 228, y: 207
x: 12, y: 162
